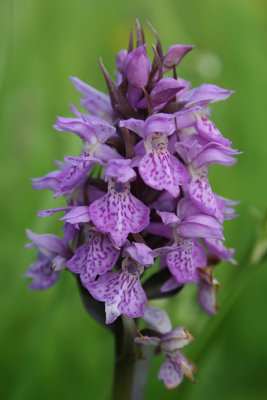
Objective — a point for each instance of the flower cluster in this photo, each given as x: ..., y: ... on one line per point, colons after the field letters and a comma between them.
x: 138, y: 196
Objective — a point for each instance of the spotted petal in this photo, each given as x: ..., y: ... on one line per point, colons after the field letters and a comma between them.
x: 159, y: 169
x: 208, y: 130
x: 74, y: 172
x: 97, y: 256
x: 202, y: 194
x: 119, y: 212
x: 171, y: 371
x: 183, y: 264
x: 121, y: 291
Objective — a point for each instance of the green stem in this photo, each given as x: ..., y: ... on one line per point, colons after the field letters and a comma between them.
x: 141, y: 373
x: 125, y: 358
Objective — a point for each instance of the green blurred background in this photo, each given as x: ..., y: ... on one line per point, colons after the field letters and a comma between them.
x: 50, y: 348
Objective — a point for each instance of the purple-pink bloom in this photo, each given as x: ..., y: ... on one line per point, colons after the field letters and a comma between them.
x: 198, y: 157
x: 188, y: 225
x: 208, y: 130
x: 121, y: 291
x: 158, y: 168
x: 93, y: 131
x: 52, y: 255
x: 97, y: 256
x: 119, y: 212
x: 175, y: 364
x: 183, y: 264
x: 173, y: 369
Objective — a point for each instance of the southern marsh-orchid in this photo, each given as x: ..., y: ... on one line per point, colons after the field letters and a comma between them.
x: 141, y: 220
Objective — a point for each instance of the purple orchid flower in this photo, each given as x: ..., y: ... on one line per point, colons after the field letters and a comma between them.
x: 119, y: 212
x: 52, y: 255
x: 93, y: 131
x: 97, y: 256
x: 158, y: 168
x: 185, y: 228
x: 121, y: 291
x: 175, y: 365
x: 198, y: 157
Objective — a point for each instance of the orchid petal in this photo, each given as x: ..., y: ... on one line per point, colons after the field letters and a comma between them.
x: 121, y: 291
x: 95, y: 102
x: 175, y: 339
x: 209, y: 131
x: 171, y: 372
x: 201, y: 193
x: 140, y: 253
x: 183, y: 264
x: 204, y: 94
x: 121, y: 170
x: 42, y: 274
x: 48, y: 244
x: 159, y: 169
x: 119, y: 213
x: 174, y: 55
x: 137, y: 67
x: 97, y: 256
x: 158, y: 319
